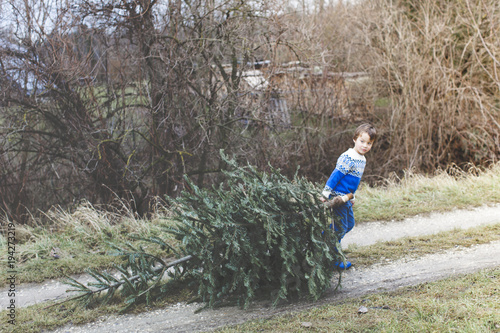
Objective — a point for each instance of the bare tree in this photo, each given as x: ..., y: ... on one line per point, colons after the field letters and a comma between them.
x: 109, y: 98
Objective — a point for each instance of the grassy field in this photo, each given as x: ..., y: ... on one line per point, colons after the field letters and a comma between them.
x: 81, y: 240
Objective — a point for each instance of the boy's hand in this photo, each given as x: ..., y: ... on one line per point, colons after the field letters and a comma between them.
x: 338, y: 200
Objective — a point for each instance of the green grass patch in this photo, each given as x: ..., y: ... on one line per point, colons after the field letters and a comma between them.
x: 418, y: 246
x: 80, y: 240
x: 382, y: 102
x: 468, y: 303
x: 416, y: 194
x: 35, y: 318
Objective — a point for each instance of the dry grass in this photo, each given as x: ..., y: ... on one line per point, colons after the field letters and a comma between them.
x: 91, y: 222
x: 80, y: 238
x: 414, y: 194
x: 416, y: 247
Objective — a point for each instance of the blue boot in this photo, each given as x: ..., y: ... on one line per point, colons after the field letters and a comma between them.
x: 340, y: 265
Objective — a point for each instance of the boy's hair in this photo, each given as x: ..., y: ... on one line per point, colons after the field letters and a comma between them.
x: 366, y: 128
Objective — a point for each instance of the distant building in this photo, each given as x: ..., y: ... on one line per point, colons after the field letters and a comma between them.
x: 274, y: 91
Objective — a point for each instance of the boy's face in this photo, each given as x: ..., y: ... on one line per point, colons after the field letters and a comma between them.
x: 363, y: 143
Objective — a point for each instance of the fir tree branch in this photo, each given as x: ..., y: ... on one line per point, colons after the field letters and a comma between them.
x: 87, y: 292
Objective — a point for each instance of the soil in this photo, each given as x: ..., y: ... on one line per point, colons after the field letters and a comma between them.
x: 355, y: 282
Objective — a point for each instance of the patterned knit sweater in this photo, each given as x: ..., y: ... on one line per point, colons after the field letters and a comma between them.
x: 347, y: 174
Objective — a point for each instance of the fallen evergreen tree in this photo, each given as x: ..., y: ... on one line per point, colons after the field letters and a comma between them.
x: 255, y: 232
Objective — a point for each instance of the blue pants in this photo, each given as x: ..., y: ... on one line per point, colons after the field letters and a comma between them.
x: 344, y: 220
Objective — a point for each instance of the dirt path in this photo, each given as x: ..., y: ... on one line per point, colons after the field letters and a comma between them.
x: 356, y: 282
x: 427, y: 224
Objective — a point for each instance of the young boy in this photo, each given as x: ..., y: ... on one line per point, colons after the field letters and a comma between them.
x: 345, y: 179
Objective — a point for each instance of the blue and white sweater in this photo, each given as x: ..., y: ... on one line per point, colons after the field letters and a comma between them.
x: 347, y: 174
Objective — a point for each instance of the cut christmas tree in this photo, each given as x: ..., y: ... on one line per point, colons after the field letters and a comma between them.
x: 257, y: 232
